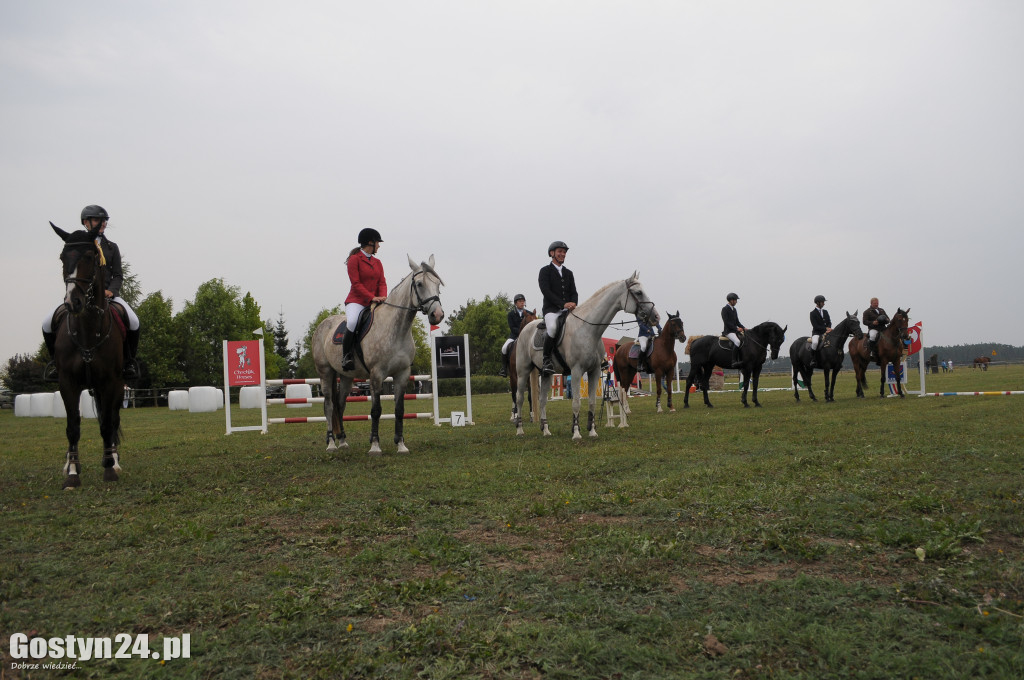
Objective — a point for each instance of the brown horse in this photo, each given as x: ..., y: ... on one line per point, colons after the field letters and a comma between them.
x: 513, y: 377
x: 662, y: 361
x: 981, y: 362
x: 88, y: 353
x: 891, y: 346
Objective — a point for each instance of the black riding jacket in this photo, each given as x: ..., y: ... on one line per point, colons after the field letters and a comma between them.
x: 556, y: 290
x: 820, y: 321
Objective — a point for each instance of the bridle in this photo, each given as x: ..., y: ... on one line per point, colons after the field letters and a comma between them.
x: 422, y: 304
x: 641, y: 314
x: 86, y: 287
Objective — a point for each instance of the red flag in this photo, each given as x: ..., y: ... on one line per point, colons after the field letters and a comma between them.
x: 915, y: 339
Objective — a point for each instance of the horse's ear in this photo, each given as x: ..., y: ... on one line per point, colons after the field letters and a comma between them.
x: 677, y: 312
x: 60, y: 232
x: 785, y: 329
x: 430, y: 261
x: 412, y: 265
x: 907, y: 312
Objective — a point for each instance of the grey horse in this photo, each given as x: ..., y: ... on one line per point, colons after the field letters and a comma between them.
x: 387, y: 351
x: 581, y: 348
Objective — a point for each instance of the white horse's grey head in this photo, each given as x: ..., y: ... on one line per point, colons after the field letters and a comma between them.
x: 638, y: 303
x: 426, y: 289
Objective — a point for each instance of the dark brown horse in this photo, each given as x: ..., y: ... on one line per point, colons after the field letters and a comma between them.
x: 981, y: 362
x: 830, y: 353
x: 892, y: 343
x: 662, y: 362
x: 709, y: 351
x: 88, y: 353
x: 513, y: 377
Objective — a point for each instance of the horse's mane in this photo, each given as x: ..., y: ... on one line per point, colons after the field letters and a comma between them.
x: 80, y: 237
x: 690, y: 342
x: 600, y: 291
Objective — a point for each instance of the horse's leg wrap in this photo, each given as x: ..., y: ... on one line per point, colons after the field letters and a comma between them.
x: 590, y: 421
x: 575, y: 422
x: 543, y: 424
x: 110, y: 465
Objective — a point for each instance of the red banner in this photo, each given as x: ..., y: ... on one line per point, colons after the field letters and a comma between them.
x: 243, y: 362
x: 915, y: 339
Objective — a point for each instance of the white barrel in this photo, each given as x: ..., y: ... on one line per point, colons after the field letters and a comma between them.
x: 298, y: 392
x: 87, y: 405
x: 58, y: 406
x: 250, y: 396
x: 23, y: 405
x: 177, y: 400
x: 42, y: 405
x: 202, y: 399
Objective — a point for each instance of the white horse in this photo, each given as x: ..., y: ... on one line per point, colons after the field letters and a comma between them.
x: 580, y: 348
x: 387, y: 350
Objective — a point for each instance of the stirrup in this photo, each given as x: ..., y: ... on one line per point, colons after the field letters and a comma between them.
x: 131, y: 370
x: 348, y: 362
x: 548, y: 368
x: 50, y: 372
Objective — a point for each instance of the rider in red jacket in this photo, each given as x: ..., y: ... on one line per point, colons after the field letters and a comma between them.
x: 366, y: 274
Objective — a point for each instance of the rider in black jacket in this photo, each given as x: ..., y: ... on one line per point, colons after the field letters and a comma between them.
x: 733, y: 327
x: 558, y: 288
x: 820, y: 324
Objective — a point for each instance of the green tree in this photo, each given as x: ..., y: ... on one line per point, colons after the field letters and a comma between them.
x: 486, y: 323
x: 421, y: 361
x: 285, y: 357
x: 24, y: 373
x: 304, y: 366
x: 216, y: 314
x: 131, y: 289
x: 161, y: 342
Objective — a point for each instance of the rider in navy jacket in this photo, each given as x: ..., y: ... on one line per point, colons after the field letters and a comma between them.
x: 733, y: 327
x: 558, y: 287
x: 820, y: 324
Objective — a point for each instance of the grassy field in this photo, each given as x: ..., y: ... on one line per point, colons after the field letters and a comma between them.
x: 866, y: 538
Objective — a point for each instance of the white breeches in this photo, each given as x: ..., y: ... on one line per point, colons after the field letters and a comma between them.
x: 352, y: 312
x: 551, y: 321
x: 814, y: 341
x: 642, y: 343
x: 735, y: 339
x: 508, y: 343
x: 133, y: 319
x: 872, y: 334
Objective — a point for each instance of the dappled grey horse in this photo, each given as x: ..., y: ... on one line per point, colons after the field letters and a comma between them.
x: 581, y: 349
x: 387, y: 350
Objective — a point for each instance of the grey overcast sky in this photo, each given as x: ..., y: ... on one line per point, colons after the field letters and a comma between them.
x: 775, y: 149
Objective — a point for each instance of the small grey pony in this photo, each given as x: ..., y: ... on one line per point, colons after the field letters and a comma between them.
x: 387, y: 351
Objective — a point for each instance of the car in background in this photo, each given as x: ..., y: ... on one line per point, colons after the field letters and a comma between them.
x: 6, y: 398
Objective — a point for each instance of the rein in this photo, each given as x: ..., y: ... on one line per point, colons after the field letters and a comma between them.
x: 639, y: 303
x: 422, y: 304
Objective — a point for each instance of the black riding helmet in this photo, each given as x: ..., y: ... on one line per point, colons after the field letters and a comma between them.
x: 369, y: 235
x: 819, y: 298
x: 732, y: 296
x: 518, y: 297
x: 94, y: 211
x: 556, y: 244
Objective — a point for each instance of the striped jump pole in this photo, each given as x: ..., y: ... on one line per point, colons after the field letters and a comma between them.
x: 971, y: 394
x: 320, y: 400
x: 322, y: 419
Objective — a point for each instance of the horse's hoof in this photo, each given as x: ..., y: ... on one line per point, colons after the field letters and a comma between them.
x: 402, y: 448
x: 72, y: 482
x: 659, y: 410
x: 331, y: 446
x: 593, y: 434
x: 520, y: 432
x: 710, y: 405
x: 671, y: 410
x: 110, y: 474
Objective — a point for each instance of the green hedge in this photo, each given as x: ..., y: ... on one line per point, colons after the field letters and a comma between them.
x: 480, y: 384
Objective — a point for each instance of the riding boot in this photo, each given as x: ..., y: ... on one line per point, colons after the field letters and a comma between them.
x: 873, y: 346
x: 641, y: 362
x: 737, y: 357
x: 50, y: 370
x: 348, y: 359
x: 812, y: 362
x: 548, y: 368
x: 131, y: 349
x: 504, y: 366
